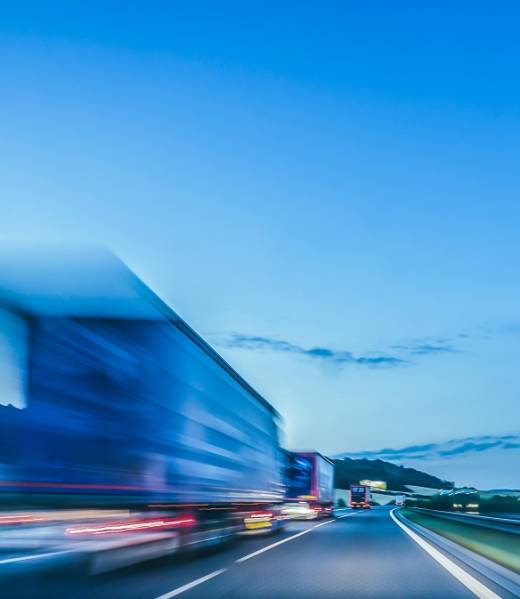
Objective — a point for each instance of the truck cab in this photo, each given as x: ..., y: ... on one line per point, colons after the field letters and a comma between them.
x: 360, y: 497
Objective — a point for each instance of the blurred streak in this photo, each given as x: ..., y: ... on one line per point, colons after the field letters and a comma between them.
x: 300, y: 510
x: 131, y: 526
x: 19, y: 519
x: 59, y: 516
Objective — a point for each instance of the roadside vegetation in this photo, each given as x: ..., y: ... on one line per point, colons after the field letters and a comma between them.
x: 504, y: 503
x: 500, y: 547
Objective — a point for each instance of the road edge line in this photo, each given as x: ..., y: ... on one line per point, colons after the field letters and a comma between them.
x: 470, y: 582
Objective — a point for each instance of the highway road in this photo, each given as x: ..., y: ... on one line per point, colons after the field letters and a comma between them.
x: 359, y: 555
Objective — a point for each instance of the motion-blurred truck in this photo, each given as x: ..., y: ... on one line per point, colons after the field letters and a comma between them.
x: 115, y: 408
x: 309, y: 482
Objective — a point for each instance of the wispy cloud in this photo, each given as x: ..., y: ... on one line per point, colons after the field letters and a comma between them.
x: 454, y: 447
x: 425, y: 348
x: 324, y: 354
x: 404, y: 353
x: 396, y: 355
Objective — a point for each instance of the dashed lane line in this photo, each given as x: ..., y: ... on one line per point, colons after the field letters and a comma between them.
x: 291, y: 538
x: 203, y: 579
x: 192, y: 584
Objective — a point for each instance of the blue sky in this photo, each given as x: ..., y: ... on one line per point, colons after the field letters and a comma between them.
x: 329, y: 194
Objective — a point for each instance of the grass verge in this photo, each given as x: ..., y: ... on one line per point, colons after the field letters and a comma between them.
x: 500, y: 547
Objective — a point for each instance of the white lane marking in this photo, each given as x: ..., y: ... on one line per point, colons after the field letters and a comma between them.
x: 207, y: 540
x: 203, y: 579
x: 25, y: 558
x: 299, y: 534
x: 474, y: 585
x: 190, y: 585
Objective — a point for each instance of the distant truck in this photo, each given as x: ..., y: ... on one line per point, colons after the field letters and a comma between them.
x: 118, y: 404
x: 360, y: 497
x: 400, y: 500
x: 309, y: 484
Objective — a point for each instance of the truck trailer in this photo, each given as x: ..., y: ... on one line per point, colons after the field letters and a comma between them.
x: 309, y: 484
x: 115, y: 403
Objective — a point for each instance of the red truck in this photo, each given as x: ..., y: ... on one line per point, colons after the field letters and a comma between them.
x: 360, y: 496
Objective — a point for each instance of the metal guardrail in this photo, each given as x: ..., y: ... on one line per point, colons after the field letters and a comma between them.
x: 508, y: 525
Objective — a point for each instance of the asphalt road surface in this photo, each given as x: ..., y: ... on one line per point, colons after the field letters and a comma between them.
x: 359, y: 555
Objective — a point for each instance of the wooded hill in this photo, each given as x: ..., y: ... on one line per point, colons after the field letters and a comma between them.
x: 348, y: 471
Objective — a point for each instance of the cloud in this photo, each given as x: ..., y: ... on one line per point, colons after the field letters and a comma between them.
x: 429, y: 348
x: 454, y: 447
x: 470, y: 447
x: 324, y: 354
x: 396, y: 355
x: 424, y: 348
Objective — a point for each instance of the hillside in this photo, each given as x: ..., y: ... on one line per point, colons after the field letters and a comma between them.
x: 348, y: 471
x: 486, y: 462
